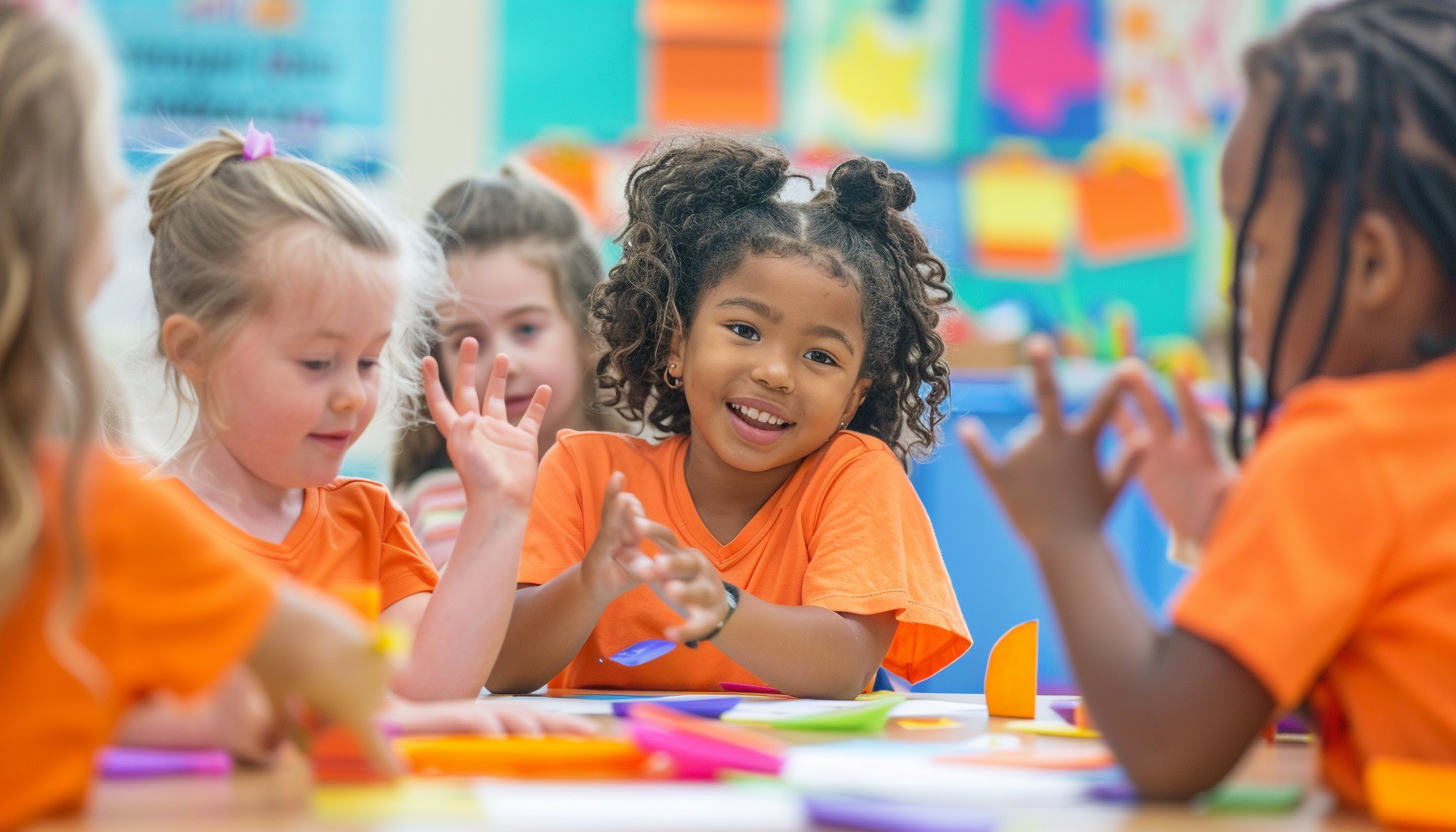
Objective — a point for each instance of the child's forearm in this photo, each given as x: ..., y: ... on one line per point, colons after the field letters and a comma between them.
x: 1177, y: 711
x: 234, y: 715
x: 549, y: 624
x: 807, y: 651
x: 464, y: 624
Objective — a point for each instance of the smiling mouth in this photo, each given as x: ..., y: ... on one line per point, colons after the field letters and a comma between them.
x: 759, y: 419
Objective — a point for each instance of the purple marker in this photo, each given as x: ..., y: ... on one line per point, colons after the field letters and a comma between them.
x: 643, y: 652
x: 711, y: 707
x: 1117, y: 791
x: 893, y: 816
x: 119, y: 762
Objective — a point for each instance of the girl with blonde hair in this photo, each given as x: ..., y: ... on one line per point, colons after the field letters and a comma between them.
x: 291, y: 311
x: 108, y: 588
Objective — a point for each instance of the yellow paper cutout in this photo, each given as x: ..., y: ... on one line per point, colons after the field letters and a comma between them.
x: 1022, y: 210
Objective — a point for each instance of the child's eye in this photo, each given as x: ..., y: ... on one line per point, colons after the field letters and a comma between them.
x: 744, y: 331
x: 525, y: 331
x: 367, y: 364
x: 820, y: 357
x: 315, y: 366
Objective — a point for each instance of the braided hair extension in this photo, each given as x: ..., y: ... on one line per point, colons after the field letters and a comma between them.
x: 698, y: 205
x: 1356, y: 82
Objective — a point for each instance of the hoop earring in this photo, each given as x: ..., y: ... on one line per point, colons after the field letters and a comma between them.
x: 669, y: 378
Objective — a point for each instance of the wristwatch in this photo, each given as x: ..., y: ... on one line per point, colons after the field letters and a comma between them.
x: 731, y: 594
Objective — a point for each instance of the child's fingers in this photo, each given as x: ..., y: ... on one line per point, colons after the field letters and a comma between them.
x: 372, y: 743
x: 1125, y: 464
x: 520, y: 722
x: 1100, y: 411
x: 609, y: 497
x: 1195, y: 423
x: 495, y: 388
x: 1122, y: 419
x: 535, y: 412
x: 466, y: 399
x: 566, y: 724
x: 439, y: 404
x: 1155, y: 416
x: 681, y: 564
x: 1048, y: 396
x: 663, y: 536
x: 698, y: 622
x: 972, y: 433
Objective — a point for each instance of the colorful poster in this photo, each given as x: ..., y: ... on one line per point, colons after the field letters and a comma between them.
x: 1044, y: 72
x: 1020, y: 210
x: 713, y: 63
x: 1132, y: 202
x: 1173, y: 69
x: 878, y: 76
x: 316, y: 73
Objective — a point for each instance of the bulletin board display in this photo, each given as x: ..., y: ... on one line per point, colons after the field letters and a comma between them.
x: 316, y: 73
x: 1064, y: 152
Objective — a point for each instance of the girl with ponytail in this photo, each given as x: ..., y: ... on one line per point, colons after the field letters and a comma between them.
x: 787, y: 352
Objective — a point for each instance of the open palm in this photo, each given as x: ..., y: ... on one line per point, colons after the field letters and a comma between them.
x: 496, y: 460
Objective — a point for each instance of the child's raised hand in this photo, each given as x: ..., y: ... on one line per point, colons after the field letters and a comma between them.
x: 611, y: 566
x: 468, y: 716
x: 1181, y: 470
x: 688, y: 582
x: 492, y: 456
x: 1051, y: 484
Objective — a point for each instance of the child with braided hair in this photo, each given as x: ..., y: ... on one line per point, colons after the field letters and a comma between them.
x: 783, y: 349
x: 1329, y: 569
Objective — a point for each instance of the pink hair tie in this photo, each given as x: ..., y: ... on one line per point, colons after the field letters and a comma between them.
x: 259, y: 143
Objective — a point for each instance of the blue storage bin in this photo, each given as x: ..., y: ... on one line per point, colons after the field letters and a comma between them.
x: 995, y: 576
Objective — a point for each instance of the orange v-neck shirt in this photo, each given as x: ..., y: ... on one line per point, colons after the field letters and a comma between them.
x: 348, y: 530
x: 846, y: 532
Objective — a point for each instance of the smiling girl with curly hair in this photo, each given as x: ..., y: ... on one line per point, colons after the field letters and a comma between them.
x: 788, y: 351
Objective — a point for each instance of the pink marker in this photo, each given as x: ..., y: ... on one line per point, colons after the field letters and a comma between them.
x: 122, y: 762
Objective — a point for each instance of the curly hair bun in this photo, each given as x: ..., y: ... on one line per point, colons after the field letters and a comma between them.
x: 866, y: 191
x: 705, y: 176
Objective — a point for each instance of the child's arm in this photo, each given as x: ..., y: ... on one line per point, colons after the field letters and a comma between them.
x: 804, y: 651
x: 313, y: 651
x: 233, y: 715
x: 461, y: 626
x: 1178, y: 711
x: 1180, y: 468
x: 552, y: 621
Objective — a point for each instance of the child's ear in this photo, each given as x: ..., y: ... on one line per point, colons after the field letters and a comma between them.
x: 1378, y: 261
x: 675, y: 363
x: 182, y: 343
x: 856, y: 398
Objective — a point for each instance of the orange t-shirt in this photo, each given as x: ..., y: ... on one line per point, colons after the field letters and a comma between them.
x: 349, y: 530
x: 166, y: 607
x: 1331, y: 571
x: 845, y: 532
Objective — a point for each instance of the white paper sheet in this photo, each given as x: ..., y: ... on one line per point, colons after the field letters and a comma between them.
x: 640, y: 807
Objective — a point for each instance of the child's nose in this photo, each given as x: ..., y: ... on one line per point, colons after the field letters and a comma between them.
x: 349, y: 395
x: 773, y: 372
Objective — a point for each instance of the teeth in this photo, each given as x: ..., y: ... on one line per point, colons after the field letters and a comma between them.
x: 755, y: 415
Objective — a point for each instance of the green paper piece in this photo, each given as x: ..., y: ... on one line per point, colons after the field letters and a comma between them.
x: 1253, y: 799
x: 858, y: 719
